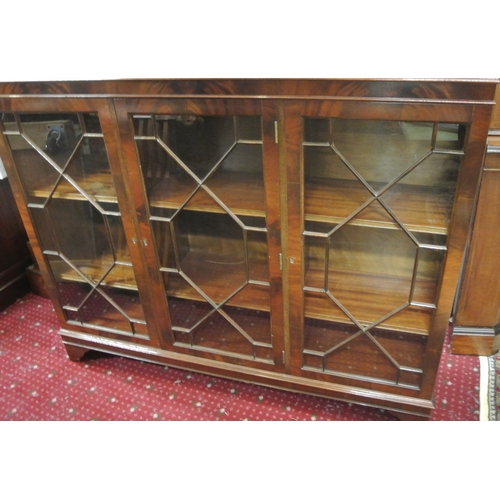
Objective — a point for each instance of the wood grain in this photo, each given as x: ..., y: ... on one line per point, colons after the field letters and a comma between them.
x: 121, y: 277
x: 289, y: 204
x: 242, y: 193
x: 420, y: 208
x: 480, y: 291
x: 417, y: 89
x: 370, y: 298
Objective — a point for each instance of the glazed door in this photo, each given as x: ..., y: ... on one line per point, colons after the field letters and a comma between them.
x: 205, y: 174
x: 380, y: 198
x: 61, y: 159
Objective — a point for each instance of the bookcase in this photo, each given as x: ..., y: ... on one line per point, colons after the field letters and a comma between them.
x: 302, y: 234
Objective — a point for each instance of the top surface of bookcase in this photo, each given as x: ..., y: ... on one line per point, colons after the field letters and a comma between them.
x: 463, y: 90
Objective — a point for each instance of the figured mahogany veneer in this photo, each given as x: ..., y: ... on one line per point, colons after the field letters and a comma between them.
x: 283, y: 232
x: 476, y: 329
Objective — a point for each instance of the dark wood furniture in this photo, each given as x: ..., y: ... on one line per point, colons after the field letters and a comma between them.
x: 476, y: 328
x: 301, y: 234
x: 14, y: 254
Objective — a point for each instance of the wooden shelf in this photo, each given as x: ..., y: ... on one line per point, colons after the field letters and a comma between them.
x: 215, y: 280
x: 99, y: 185
x: 120, y: 276
x: 243, y: 193
x: 371, y: 294
x: 370, y: 297
x: 94, y: 178
x: 420, y: 208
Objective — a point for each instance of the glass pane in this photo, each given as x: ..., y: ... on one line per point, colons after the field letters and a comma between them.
x: 39, y: 177
x: 87, y: 243
x: 212, y: 251
x: 168, y: 185
x: 112, y: 304
x: 218, y: 334
x: 198, y: 142
x: 63, y: 165
x: 428, y: 275
x: 332, y: 190
x: 378, y: 150
x: 89, y: 169
x: 361, y: 357
x: 378, y: 355
x: 116, y: 233
x: 204, y: 178
x: 423, y: 199
x: 319, y: 304
x: 317, y: 130
x: 407, y: 350
x: 249, y: 128
x: 257, y: 256
x: 413, y: 167
x: 209, y: 163
x: 164, y: 244
x: 370, y: 281
x: 450, y: 136
x: 56, y: 136
x: 242, y: 172
x: 92, y: 123
x: 378, y: 200
x: 254, y: 296
x: 53, y: 154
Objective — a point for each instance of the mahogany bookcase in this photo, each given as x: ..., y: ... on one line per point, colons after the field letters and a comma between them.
x: 307, y: 235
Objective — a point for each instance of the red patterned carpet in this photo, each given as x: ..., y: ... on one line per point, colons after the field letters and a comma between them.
x: 39, y: 383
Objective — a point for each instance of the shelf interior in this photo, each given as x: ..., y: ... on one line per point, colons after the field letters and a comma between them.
x: 420, y: 208
x: 219, y: 280
x: 369, y: 298
x: 242, y: 193
x: 120, y: 277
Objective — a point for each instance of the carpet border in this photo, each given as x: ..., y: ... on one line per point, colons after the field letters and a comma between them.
x: 487, y: 390
x: 493, y: 411
x: 484, y: 374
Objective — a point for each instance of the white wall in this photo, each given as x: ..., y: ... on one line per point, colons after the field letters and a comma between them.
x: 103, y: 39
